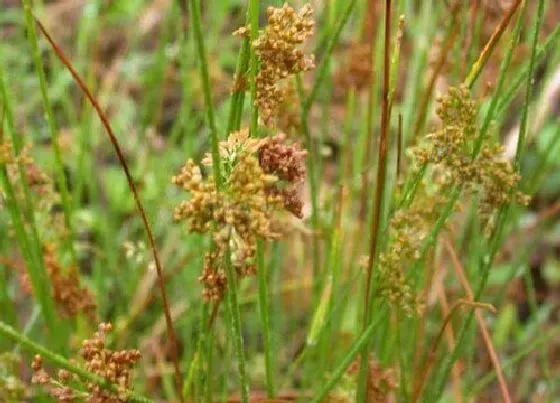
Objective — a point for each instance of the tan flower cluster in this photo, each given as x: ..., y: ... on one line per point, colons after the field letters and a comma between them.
x: 489, y: 176
x: 70, y: 296
x: 259, y: 178
x: 279, y: 55
x: 408, y: 230
x: 114, y: 366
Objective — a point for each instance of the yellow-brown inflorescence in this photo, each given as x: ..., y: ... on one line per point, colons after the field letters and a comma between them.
x: 451, y: 150
x: 260, y: 179
x: 277, y: 49
x: 409, y: 229
x: 113, y: 366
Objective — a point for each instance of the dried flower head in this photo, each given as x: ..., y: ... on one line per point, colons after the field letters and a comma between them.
x: 113, y: 366
x: 286, y: 162
x: 70, y: 296
x: 259, y: 179
x: 277, y: 48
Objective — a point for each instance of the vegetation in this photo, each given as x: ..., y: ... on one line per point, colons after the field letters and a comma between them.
x: 252, y: 201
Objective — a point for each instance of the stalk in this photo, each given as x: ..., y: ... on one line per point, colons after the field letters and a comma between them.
x: 53, y: 130
x: 232, y: 286
x: 253, y: 17
x: 306, y: 104
x: 379, y: 192
x: 30, y: 244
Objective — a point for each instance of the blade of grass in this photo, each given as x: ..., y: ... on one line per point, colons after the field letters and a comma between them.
x: 30, y: 248
x: 49, y: 115
x: 312, y: 159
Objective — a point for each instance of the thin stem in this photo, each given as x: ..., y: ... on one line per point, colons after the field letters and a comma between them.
x: 140, y: 207
x: 30, y: 245
x: 312, y: 159
x: 12, y: 334
x: 529, y: 87
x: 203, y: 61
x: 49, y: 114
x: 432, y: 354
x: 236, y: 327
x: 379, y: 191
x: 253, y: 17
x: 481, y: 324
x: 489, y: 47
x: 451, y: 32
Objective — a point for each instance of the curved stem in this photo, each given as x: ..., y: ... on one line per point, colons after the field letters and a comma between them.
x: 132, y: 186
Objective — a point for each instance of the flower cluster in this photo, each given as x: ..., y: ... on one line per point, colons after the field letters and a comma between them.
x: 451, y: 150
x: 279, y: 55
x: 409, y: 228
x: 114, y: 366
x: 259, y: 178
x: 70, y: 297
x: 286, y: 162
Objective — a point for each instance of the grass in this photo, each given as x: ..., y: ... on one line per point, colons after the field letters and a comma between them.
x: 168, y: 82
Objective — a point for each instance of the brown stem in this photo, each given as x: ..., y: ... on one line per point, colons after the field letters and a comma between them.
x: 382, y: 162
x: 450, y: 338
x: 132, y: 186
x: 432, y: 354
x: 480, y: 320
x: 379, y: 185
x: 489, y: 47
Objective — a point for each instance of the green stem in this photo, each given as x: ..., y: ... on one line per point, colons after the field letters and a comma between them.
x: 529, y: 88
x: 203, y: 61
x: 12, y: 334
x: 49, y: 113
x: 236, y: 328
x: 253, y: 17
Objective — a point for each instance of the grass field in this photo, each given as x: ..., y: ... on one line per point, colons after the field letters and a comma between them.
x: 250, y: 201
